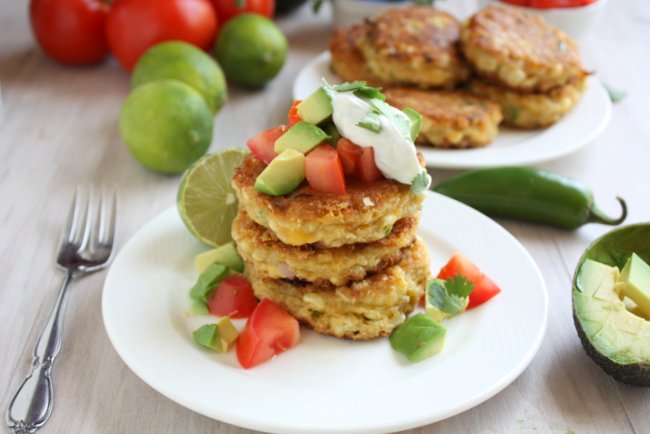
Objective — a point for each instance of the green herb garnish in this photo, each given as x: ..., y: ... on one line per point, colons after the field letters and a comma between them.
x: 448, y: 298
x: 371, y: 122
x: 420, y: 183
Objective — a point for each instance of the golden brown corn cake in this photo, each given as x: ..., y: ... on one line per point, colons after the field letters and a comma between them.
x: 366, y: 213
x: 347, y: 61
x: 361, y: 310
x: 416, y: 45
x: 531, y: 110
x: 519, y: 50
x: 449, y: 119
x: 322, y: 267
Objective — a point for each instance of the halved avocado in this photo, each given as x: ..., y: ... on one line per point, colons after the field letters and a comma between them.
x: 614, y: 337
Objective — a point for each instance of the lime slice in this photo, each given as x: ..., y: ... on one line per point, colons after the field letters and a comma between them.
x: 206, y: 200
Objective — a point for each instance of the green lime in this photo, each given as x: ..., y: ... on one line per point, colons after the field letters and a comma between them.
x: 206, y: 200
x: 251, y: 49
x: 166, y: 125
x: 181, y: 61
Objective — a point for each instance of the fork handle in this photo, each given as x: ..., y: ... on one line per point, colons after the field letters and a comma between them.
x: 31, y: 406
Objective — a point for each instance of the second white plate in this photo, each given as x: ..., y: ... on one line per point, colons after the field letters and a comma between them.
x: 511, y: 147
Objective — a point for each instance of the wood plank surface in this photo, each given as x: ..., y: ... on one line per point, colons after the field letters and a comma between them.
x: 59, y: 129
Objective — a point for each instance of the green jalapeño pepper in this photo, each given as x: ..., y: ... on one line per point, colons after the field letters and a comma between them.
x: 528, y: 194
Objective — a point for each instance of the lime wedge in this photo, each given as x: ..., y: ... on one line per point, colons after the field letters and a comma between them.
x: 206, y: 200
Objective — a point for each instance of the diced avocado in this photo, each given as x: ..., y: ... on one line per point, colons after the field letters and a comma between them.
x: 225, y: 254
x: 416, y: 121
x: 303, y: 137
x: 316, y: 108
x: 634, y: 283
x: 418, y: 338
x: 207, y: 281
x: 218, y: 337
x: 330, y: 129
x: 199, y: 307
x: 283, y: 175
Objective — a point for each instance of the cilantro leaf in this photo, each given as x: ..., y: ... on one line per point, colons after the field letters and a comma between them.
x: 459, y: 285
x: 420, y: 183
x: 349, y: 86
x: 447, y: 304
x: 371, y: 122
x: 369, y: 92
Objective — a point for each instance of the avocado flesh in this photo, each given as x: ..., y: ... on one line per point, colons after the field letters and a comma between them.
x: 302, y: 137
x: 617, y: 339
x: 283, y: 175
x: 418, y: 338
x: 635, y: 283
x: 316, y: 108
x: 225, y: 254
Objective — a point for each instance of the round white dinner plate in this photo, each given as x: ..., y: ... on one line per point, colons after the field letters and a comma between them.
x: 324, y: 384
x: 511, y: 147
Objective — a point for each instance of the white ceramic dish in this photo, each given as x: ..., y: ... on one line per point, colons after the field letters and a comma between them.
x: 511, y: 147
x: 327, y: 385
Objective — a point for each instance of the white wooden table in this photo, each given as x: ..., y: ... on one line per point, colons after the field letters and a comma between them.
x: 59, y: 129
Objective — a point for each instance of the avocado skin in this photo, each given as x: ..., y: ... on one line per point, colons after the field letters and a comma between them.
x: 612, y: 249
x: 634, y: 374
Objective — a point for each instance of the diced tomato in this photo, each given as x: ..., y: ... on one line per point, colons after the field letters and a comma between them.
x: 324, y: 171
x: 484, y: 287
x: 549, y: 4
x: 517, y: 2
x: 293, y: 113
x: 263, y: 144
x: 233, y: 297
x: 269, y: 331
x: 367, y: 170
x: 349, y: 154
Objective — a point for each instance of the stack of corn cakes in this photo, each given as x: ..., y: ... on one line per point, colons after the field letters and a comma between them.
x: 529, y: 67
x: 348, y: 265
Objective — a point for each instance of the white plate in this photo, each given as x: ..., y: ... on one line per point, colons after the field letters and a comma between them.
x: 327, y: 385
x: 511, y: 147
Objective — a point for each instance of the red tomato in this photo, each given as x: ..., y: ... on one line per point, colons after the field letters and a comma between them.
x: 324, y: 171
x: 132, y: 26
x: 349, y: 153
x: 367, y: 170
x: 517, y: 2
x: 293, y: 113
x: 263, y: 144
x: 484, y: 288
x: 233, y: 297
x: 226, y: 9
x: 70, y: 31
x: 269, y: 331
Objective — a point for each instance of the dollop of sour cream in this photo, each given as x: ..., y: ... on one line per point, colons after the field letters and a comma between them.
x: 394, y: 150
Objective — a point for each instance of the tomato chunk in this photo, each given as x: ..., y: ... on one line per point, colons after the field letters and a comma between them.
x: 484, y: 287
x: 293, y: 113
x: 269, y: 331
x: 233, y: 297
x: 349, y: 154
x: 367, y: 170
x: 263, y: 144
x: 324, y: 171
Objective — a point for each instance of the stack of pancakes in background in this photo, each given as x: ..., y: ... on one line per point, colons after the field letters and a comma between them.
x: 349, y: 266
x: 465, y: 79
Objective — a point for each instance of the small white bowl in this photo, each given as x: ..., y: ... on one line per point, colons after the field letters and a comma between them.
x: 577, y: 22
x: 349, y: 12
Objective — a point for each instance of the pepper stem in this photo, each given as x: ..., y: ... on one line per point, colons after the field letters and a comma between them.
x: 597, y: 216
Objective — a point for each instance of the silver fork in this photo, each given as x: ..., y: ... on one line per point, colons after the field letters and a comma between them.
x: 86, y: 246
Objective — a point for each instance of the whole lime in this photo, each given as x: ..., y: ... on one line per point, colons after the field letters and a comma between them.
x: 251, y: 49
x: 166, y: 125
x: 184, y: 62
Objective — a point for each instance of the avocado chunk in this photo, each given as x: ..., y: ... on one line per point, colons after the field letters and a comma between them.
x: 416, y: 121
x: 302, y: 137
x: 218, y: 337
x: 316, y: 108
x: 634, y: 283
x: 283, y: 175
x: 418, y: 338
x: 225, y: 254
x: 617, y: 339
x: 208, y: 281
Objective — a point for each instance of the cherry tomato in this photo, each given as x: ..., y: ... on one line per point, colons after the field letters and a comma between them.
x: 70, y: 31
x: 293, y: 116
x: 349, y: 153
x: 233, y: 297
x: 367, y: 170
x: 226, y: 9
x: 324, y: 171
x: 263, y: 144
x: 484, y: 287
x: 132, y: 26
x: 269, y: 331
